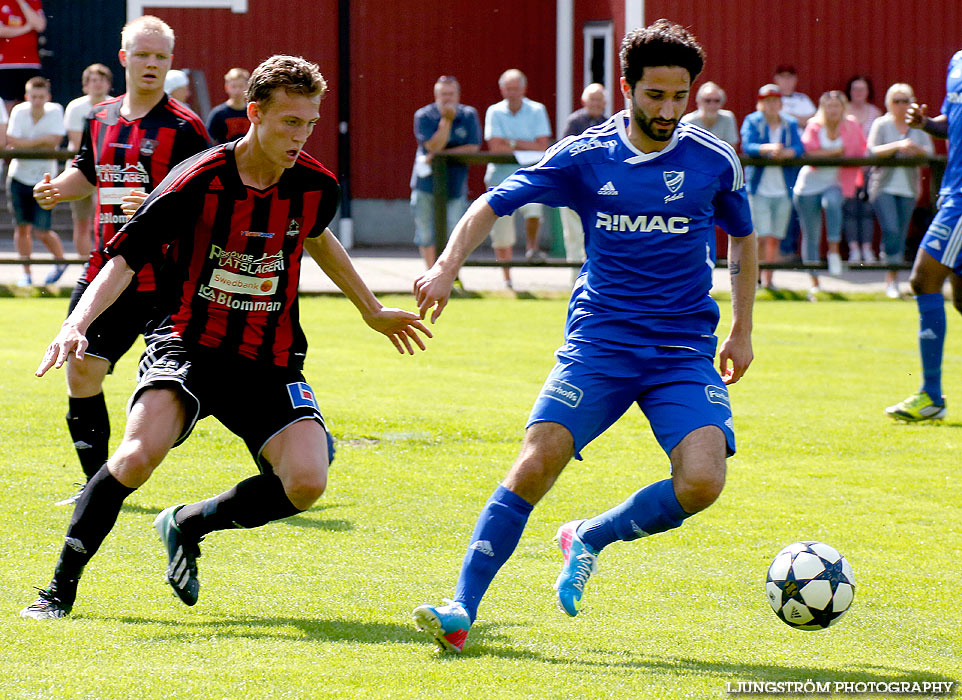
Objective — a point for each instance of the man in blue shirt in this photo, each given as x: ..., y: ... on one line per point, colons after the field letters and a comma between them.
x: 445, y: 124
x: 939, y: 254
x: 515, y: 124
x: 640, y: 325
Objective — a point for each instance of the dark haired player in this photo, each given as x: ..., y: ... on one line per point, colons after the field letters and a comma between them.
x: 640, y: 325
x: 939, y: 255
x: 235, y: 220
x: 129, y: 144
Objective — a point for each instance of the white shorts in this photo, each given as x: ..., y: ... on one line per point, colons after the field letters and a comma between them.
x: 503, y: 234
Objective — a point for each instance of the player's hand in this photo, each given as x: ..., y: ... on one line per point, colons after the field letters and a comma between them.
x: 433, y: 289
x: 734, y: 357
x: 46, y: 193
x: 401, y: 327
x: 68, y: 340
x: 131, y: 203
x: 916, y: 115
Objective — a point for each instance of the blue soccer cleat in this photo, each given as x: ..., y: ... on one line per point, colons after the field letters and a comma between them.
x: 579, y: 563
x: 447, y: 624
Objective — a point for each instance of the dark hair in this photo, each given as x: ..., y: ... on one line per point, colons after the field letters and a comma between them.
x: 660, y: 44
x: 785, y: 68
x: 96, y: 69
x: 38, y: 81
x: 296, y: 75
x: 863, y: 78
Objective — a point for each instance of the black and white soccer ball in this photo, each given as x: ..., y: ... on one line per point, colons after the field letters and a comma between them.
x: 810, y: 585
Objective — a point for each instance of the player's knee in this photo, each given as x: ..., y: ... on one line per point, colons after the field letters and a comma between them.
x: 916, y: 282
x: 698, y: 491
x: 133, y: 463
x: 303, y: 490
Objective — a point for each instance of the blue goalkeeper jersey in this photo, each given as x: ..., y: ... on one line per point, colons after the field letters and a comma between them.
x: 952, y: 108
x: 649, y: 221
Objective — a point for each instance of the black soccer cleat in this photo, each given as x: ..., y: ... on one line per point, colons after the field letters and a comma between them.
x: 47, y: 606
x: 181, y: 557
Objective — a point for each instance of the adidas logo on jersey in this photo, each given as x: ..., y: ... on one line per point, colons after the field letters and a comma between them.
x: 215, y: 184
x: 483, y: 546
x: 608, y: 188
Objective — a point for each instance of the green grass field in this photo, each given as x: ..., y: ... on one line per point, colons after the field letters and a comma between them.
x: 319, y: 605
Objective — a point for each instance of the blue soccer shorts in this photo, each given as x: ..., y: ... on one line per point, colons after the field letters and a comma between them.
x: 943, y: 239
x: 678, y: 389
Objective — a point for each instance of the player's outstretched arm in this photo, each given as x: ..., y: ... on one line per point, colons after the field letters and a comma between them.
x: 736, y: 350
x: 112, y: 279
x: 433, y: 288
x: 401, y: 327
x: 69, y: 185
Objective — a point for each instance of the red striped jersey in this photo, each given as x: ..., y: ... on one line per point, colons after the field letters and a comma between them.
x: 233, y: 252
x: 118, y: 155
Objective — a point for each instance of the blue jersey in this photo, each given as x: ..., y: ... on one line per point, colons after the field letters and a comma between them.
x: 952, y: 108
x: 649, y: 221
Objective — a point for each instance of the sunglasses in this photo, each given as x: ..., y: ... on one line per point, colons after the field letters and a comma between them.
x: 711, y: 99
x: 901, y: 101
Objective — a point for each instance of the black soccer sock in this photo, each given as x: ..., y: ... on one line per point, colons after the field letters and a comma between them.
x: 89, y: 426
x: 93, y: 517
x: 251, y: 503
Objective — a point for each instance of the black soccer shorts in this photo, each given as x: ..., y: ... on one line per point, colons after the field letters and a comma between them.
x: 254, y: 400
x: 113, y: 333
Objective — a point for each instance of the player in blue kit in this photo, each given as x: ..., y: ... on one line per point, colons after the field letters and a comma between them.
x: 640, y: 324
x: 939, y: 254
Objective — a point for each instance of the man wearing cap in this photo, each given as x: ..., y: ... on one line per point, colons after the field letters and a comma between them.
x: 177, y: 85
x: 769, y: 132
x: 443, y: 125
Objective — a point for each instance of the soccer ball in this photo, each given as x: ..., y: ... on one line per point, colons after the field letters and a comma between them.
x: 810, y: 585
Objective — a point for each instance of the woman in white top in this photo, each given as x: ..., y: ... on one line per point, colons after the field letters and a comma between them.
x: 894, y: 191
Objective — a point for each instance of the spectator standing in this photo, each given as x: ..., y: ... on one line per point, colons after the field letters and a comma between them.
x: 860, y: 94
x: 177, y: 85
x: 770, y: 133
x: 515, y: 124
x: 96, y: 80
x: 21, y: 22
x: 858, y: 220
x: 894, y: 191
x: 710, y: 99
x: 592, y: 113
x: 228, y: 120
x: 797, y: 104
x: 443, y: 125
x: 829, y: 133
x: 35, y: 123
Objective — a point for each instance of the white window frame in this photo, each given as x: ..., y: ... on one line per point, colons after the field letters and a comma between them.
x: 606, y: 31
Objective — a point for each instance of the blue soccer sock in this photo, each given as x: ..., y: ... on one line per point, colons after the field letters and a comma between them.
x: 651, y: 510
x: 931, y: 341
x: 494, y: 539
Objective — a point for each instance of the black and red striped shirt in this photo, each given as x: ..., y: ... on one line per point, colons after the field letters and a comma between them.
x: 233, y: 262
x: 118, y: 155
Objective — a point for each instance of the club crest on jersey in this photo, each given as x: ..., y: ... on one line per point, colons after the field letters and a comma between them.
x: 294, y: 226
x: 673, y: 181
x: 147, y: 146
x: 302, y: 395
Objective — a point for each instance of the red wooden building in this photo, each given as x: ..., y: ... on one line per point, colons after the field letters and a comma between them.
x: 395, y: 49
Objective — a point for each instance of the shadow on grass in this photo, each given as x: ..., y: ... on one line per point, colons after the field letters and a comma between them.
x: 732, y: 672
x: 307, y: 519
